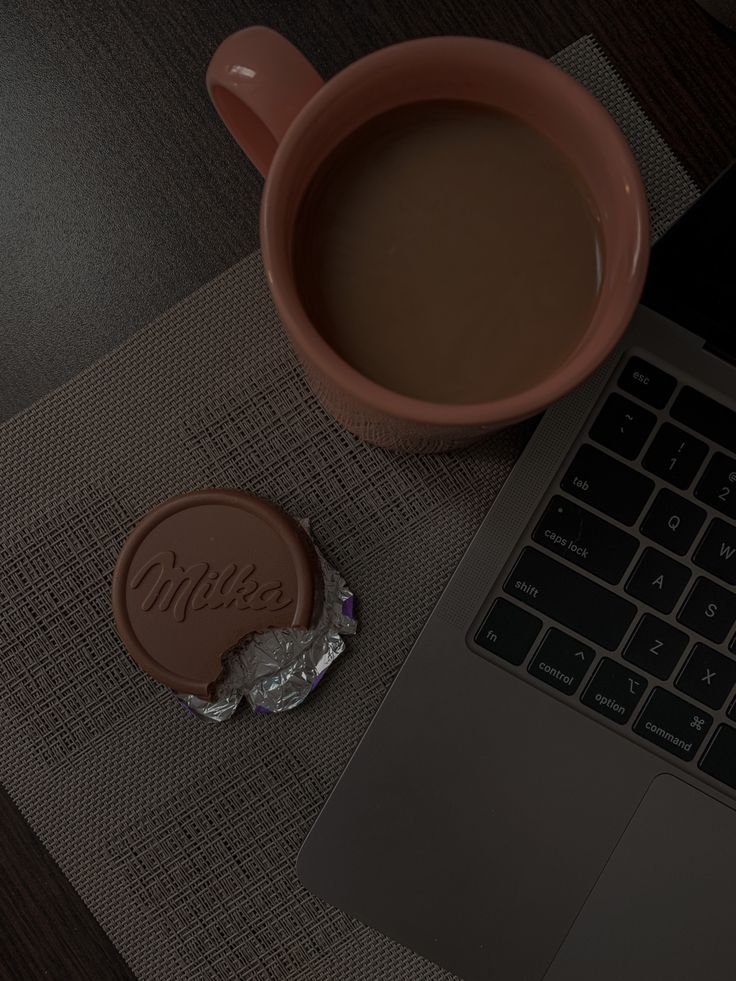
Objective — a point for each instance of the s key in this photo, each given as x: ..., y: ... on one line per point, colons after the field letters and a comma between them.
x: 710, y: 609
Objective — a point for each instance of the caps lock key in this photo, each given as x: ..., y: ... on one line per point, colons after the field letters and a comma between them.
x: 585, y: 539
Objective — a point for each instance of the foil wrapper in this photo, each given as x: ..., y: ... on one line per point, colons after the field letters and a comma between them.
x: 277, y: 669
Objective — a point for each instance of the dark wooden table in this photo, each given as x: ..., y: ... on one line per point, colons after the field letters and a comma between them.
x: 120, y: 193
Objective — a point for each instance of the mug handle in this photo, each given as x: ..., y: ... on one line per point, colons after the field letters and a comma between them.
x: 258, y: 82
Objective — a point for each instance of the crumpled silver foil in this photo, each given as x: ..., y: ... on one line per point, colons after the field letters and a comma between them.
x: 276, y: 670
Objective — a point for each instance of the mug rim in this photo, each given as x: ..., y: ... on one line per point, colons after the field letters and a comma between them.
x: 594, y: 347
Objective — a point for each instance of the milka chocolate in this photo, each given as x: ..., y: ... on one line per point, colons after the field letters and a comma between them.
x: 203, y: 571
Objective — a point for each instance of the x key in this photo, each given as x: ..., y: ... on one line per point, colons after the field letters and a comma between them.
x: 707, y: 676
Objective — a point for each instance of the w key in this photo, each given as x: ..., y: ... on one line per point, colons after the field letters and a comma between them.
x: 717, y: 551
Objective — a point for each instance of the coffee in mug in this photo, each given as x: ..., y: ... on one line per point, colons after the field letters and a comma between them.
x: 449, y: 252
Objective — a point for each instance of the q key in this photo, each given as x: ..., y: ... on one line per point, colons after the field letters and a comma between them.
x: 673, y: 521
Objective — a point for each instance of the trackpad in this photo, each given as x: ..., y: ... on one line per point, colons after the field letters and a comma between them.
x: 665, y: 904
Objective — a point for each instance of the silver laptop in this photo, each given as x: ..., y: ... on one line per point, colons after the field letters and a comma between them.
x: 549, y: 788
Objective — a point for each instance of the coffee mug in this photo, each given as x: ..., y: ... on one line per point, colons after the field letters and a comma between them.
x: 287, y: 120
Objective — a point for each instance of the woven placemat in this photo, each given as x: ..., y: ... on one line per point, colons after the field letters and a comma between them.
x: 181, y: 836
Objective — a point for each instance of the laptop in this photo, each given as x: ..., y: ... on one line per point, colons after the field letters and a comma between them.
x: 548, y: 790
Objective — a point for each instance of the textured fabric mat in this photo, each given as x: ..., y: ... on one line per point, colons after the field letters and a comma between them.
x: 181, y: 836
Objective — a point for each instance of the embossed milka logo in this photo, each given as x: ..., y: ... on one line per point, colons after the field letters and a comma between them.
x: 199, y: 587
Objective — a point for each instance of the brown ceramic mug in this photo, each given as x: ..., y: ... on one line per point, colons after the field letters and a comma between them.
x: 288, y: 120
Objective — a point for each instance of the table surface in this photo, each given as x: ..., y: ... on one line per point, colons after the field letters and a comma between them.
x: 121, y: 193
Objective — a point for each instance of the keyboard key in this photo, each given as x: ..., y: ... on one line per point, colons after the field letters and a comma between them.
x: 704, y: 415
x: 719, y: 759
x: 732, y: 711
x: 658, y: 580
x: 614, y: 691
x: 673, y: 724
x: 675, y: 455
x: 508, y: 631
x: 673, y: 521
x: 650, y: 384
x: 585, y: 539
x: 709, y: 609
x: 656, y: 646
x: 717, y: 551
x: 717, y: 486
x: 622, y: 426
x: 561, y: 661
x: 707, y: 676
x: 573, y: 600
x: 607, y: 485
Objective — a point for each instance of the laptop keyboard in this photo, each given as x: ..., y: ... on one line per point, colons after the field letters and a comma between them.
x: 621, y: 594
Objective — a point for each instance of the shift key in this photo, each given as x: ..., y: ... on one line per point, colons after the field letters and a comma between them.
x: 607, y: 485
x: 572, y: 600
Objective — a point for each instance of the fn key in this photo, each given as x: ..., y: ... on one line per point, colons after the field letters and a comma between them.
x: 508, y: 631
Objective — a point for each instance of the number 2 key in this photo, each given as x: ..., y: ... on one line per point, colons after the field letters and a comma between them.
x: 717, y: 486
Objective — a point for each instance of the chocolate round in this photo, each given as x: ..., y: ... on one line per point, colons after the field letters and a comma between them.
x: 201, y: 572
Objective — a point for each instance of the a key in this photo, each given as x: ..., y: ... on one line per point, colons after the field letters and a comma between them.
x: 719, y: 759
x: 675, y: 455
x: 673, y: 724
x: 717, y: 486
x: 561, y: 661
x: 614, y: 690
x: 508, y: 631
x: 650, y: 384
x: 658, y: 580
x: 655, y: 646
x: 622, y: 426
x: 731, y: 713
x: 585, y: 539
x: 716, y: 552
x: 673, y: 521
x: 709, y: 609
x: 707, y: 676
x: 573, y: 600
x: 607, y: 485
x: 704, y: 415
